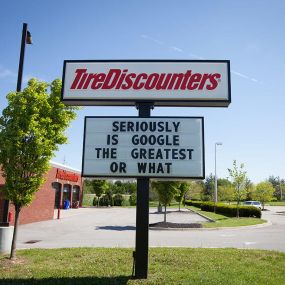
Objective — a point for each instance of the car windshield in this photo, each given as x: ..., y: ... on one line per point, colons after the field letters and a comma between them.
x: 256, y: 203
x: 247, y: 203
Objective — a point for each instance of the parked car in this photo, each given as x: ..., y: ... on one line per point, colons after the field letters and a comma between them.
x: 256, y: 204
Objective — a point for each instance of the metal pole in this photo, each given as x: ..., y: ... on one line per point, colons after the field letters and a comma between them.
x: 22, y: 56
x: 142, y: 215
x: 281, y: 194
x: 19, y: 85
x: 216, y: 182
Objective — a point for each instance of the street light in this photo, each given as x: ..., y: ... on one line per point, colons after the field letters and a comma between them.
x: 26, y: 39
x: 216, y: 180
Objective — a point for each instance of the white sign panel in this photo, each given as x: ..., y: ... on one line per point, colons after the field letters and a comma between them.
x: 166, y: 83
x: 154, y: 147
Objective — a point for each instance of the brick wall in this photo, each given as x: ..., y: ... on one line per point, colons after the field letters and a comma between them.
x: 42, y: 207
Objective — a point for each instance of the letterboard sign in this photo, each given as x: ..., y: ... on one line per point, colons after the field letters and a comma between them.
x: 155, y: 147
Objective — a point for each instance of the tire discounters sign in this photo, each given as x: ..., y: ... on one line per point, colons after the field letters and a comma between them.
x: 156, y: 147
x: 166, y: 83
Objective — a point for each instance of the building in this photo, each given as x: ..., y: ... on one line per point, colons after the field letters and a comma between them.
x: 61, y: 183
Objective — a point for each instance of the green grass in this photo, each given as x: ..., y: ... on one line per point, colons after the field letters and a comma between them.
x: 80, y: 266
x: 224, y: 221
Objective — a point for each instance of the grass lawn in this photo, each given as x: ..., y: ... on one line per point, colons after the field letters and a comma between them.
x: 80, y: 266
x: 224, y: 221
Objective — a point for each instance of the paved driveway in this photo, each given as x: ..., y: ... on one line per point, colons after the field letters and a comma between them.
x: 115, y: 227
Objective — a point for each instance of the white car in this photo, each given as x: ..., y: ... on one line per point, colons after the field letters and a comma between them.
x: 256, y: 204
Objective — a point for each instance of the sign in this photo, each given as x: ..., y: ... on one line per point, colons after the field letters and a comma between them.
x: 155, y: 147
x: 164, y: 82
x: 64, y: 175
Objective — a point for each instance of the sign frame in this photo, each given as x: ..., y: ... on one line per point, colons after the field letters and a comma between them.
x: 156, y: 102
x: 148, y: 176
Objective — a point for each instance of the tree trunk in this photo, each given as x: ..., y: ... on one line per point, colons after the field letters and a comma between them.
x: 165, y: 213
x: 238, y: 209
x: 14, y: 241
x: 179, y: 205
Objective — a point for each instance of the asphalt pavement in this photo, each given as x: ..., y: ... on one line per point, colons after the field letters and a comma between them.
x: 115, y: 227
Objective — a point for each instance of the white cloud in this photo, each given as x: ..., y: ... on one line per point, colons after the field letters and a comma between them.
x: 152, y: 39
x: 176, y: 49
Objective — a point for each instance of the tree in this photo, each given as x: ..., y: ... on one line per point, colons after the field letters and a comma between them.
x: 209, y: 188
x: 195, y: 190
x: 226, y: 193
x: 31, y: 128
x: 181, y: 190
x: 238, y: 176
x: 166, y: 191
x: 263, y: 192
x: 99, y: 187
x: 278, y: 185
x: 249, y: 189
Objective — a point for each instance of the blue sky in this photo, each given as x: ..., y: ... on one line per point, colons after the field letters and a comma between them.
x: 248, y: 33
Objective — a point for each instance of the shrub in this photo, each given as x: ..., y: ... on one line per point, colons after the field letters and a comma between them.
x: 126, y: 202
x: 95, y: 201
x: 118, y: 200
x: 226, y: 210
x: 105, y: 200
x: 194, y: 203
x: 133, y: 199
x: 231, y: 210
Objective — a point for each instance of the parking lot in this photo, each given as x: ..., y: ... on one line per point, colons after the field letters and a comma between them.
x: 115, y: 227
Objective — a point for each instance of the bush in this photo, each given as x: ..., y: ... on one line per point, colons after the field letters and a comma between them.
x: 133, y: 199
x: 231, y: 210
x: 95, y: 201
x: 105, y: 200
x: 194, y: 203
x: 226, y: 210
x: 118, y: 200
x: 126, y: 202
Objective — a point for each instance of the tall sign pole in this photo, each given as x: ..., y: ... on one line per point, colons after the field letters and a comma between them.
x: 142, y: 215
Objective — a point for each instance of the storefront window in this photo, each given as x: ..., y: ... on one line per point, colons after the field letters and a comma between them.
x: 66, y: 192
x: 57, y: 187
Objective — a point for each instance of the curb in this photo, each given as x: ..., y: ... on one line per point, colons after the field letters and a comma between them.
x: 203, y: 216
x: 268, y: 223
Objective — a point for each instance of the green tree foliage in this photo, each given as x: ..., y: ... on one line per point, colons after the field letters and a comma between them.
x: 226, y: 193
x: 195, y: 190
x: 87, y: 186
x: 249, y: 189
x: 31, y: 129
x: 166, y: 191
x: 263, y: 192
x: 209, y: 188
x: 238, y: 176
x: 99, y: 187
x: 121, y: 187
x: 181, y: 191
x: 278, y: 185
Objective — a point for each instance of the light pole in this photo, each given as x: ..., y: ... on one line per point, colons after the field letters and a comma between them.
x: 280, y: 187
x: 26, y: 39
x: 216, y: 180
